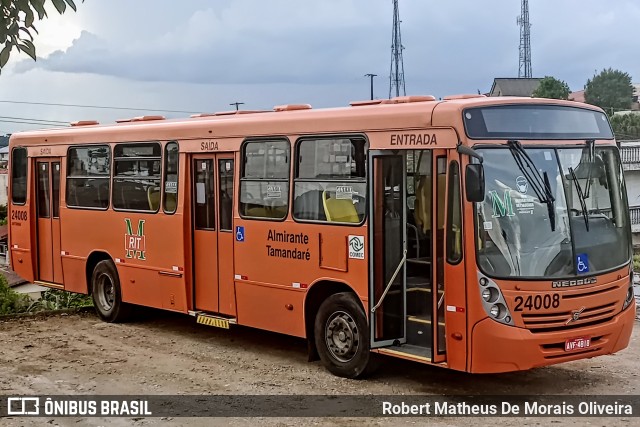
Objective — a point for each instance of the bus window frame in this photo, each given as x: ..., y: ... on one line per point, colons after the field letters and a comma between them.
x: 113, y: 175
x: 26, y: 176
x: 241, y: 177
x: 296, y: 170
x: 109, y: 178
x: 164, y: 158
x: 449, y: 220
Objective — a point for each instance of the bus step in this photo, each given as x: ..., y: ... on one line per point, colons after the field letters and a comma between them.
x: 419, y: 331
x: 218, y: 322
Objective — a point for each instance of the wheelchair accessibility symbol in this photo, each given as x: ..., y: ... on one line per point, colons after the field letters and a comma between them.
x: 240, y: 233
x: 583, y: 263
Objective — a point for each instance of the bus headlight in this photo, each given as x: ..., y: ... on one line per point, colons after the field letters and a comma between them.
x: 630, y: 294
x: 490, y: 295
x: 493, y: 301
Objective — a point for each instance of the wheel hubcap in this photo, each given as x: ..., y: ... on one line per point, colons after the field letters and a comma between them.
x: 342, y: 336
x: 106, y: 292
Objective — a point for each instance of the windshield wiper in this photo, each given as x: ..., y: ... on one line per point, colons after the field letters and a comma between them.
x: 583, y: 205
x: 540, y: 184
x: 591, y: 146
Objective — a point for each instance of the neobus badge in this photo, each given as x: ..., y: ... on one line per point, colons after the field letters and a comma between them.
x: 356, y: 247
x: 570, y: 283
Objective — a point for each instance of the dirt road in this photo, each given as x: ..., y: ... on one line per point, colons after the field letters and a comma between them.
x: 163, y: 353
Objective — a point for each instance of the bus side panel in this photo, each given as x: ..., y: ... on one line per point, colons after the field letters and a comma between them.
x: 22, y: 232
x: 21, y: 239
x: 74, y: 270
x: 267, y: 307
x: 275, y: 260
x: 147, y: 249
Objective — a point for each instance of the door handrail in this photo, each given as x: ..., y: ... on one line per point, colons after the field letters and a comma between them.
x: 384, y: 294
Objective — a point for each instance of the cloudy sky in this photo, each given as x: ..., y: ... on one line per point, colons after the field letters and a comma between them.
x: 202, y: 55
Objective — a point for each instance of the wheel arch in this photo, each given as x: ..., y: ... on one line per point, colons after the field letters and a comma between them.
x: 94, y: 258
x: 317, y: 293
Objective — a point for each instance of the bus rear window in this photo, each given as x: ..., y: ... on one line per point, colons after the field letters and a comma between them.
x: 19, y: 176
x: 535, y: 122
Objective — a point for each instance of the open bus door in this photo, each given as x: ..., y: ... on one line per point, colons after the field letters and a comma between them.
x: 406, y: 290
x: 47, y: 178
x: 212, y: 205
x: 387, y: 287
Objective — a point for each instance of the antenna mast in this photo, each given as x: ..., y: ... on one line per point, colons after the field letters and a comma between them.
x: 396, y: 77
x: 524, y: 69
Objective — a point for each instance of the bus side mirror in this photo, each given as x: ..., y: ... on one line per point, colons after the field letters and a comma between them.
x: 474, y: 182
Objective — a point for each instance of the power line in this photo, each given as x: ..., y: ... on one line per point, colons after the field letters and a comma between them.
x: 34, y: 120
x: 32, y: 123
x: 97, y: 106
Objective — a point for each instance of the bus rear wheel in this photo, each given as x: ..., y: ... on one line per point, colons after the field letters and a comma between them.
x: 342, y: 336
x: 106, y: 293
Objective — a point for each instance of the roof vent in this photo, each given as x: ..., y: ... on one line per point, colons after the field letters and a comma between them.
x: 367, y: 102
x: 463, y: 96
x: 239, y: 112
x: 292, y: 107
x: 408, y: 99
x: 84, y: 123
x: 141, y: 119
x: 195, y: 116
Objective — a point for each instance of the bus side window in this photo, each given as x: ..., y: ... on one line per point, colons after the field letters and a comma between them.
x: 264, y: 184
x: 330, y: 180
x: 88, y: 176
x: 170, y: 177
x: 136, y: 183
x: 19, y: 175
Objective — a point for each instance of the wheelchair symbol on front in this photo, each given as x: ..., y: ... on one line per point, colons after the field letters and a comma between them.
x: 583, y: 263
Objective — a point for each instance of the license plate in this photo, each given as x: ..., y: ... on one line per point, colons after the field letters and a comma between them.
x: 578, y: 343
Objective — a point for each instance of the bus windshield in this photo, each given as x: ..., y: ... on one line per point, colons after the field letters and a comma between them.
x: 560, y: 213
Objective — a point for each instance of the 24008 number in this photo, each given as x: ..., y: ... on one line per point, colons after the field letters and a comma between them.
x: 537, y: 302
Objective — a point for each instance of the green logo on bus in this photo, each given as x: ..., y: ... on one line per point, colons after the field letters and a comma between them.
x: 134, y: 244
x: 501, y: 207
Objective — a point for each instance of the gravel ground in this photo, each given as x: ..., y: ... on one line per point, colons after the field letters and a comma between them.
x: 164, y: 353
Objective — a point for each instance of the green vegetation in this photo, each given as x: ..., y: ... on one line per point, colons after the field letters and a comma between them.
x: 550, y: 87
x: 3, y: 214
x: 610, y: 90
x: 626, y: 126
x: 18, y: 17
x: 12, y: 302
x: 59, y: 300
x: 636, y: 262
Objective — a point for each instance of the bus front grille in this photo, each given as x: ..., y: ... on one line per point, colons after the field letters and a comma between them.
x: 558, y: 321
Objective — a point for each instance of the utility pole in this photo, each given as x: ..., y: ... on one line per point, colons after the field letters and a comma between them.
x: 237, y: 104
x: 396, y: 76
x: 524, y: 68
x: 371, y: 76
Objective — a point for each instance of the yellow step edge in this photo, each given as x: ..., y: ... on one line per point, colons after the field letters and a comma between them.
x: 217, y: 322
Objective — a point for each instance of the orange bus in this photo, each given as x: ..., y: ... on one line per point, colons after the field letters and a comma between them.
x: 479, y: 234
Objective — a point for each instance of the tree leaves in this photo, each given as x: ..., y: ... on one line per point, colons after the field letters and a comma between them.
x: 550, y: 87
x: 17, y: 23
x: 610, y: 90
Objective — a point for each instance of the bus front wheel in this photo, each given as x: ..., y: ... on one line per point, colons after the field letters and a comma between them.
x: 106, y: 293
x: 342, y: 336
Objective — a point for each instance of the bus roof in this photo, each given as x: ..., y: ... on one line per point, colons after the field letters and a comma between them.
x: 404, y: 113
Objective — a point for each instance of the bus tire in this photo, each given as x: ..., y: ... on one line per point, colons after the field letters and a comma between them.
x: 342, y: 336
x: 107, y: 294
